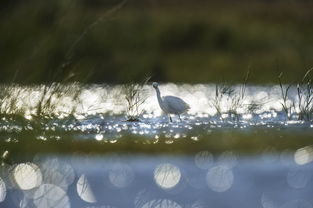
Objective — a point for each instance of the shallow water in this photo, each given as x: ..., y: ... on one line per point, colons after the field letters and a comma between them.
x: 101, y: 110
x: 72, y: 146
x: 142, y: 181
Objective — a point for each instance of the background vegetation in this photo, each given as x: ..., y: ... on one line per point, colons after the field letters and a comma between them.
x: 173, y: 41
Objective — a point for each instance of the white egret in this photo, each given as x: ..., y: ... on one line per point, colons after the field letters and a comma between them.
x: 170, y: 104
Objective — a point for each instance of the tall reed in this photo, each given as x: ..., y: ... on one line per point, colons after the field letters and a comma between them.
x: 135, y: 96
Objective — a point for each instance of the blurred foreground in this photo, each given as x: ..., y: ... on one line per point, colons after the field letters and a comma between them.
x: 202, y: 180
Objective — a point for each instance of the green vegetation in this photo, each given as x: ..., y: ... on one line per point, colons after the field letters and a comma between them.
x: 241, y: 142
x: 177, y: 41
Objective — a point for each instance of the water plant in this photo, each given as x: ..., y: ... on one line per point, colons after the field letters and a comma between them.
x: 221, y: 90
x: 305, y: 97
x: 302, y: 103
x: 286, y: 105
x: 135, y: 96
x: 9, y: 98
x: 237, y: 99
x: 226, y: 93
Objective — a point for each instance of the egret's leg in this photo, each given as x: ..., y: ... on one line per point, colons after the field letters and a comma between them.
x: 179, y: 117
x: 170, y: 117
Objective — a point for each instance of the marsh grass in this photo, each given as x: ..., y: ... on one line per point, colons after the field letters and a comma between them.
x: 286, y: 105
x: 226, y: 93
x: 9, y: 99
x: 237, y: 99
x: 304, y: 95
x: 49, y: 100
x: 135, y: 96
x: 54, y: 102
x: 45, y: 103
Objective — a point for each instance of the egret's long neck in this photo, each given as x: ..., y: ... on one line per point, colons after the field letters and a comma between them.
x: 159, y: 95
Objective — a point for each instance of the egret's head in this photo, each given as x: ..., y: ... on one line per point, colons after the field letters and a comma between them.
x: 155, y: 85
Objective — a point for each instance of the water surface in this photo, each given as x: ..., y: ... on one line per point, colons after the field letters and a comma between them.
x: 72, y: 146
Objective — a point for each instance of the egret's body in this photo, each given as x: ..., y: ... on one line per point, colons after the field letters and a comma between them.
x: 170, y: 104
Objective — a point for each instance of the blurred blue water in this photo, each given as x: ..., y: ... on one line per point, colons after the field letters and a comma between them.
x: 141, y: 181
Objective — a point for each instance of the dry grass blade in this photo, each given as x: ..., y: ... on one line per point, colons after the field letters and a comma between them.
x: 135, y: 97
x: 284, y: 93
x: 305, y: 97
x: 226, y: 93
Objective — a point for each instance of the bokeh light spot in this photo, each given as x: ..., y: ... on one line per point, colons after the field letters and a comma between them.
x: 51, y: 196
x: 298, y: 178
x: 27, y: 176
x: 3, y: 190
x: 57, y: 172
x: 121, y: 175
x: 267, y: 201
x: 84, y: 190
x: 227, y: 159
x: 99, y: 137
x: 220, y: 178
x: 304, y: 155
x: 167, y: 175
x: 204, y: 159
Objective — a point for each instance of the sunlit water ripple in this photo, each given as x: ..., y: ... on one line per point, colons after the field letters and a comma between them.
x: 100, y: 111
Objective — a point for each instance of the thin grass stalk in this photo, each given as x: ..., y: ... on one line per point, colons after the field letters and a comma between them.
x: 135, y: 98
x: 284, y: 92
